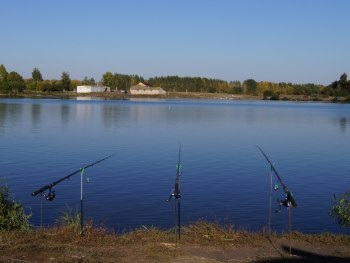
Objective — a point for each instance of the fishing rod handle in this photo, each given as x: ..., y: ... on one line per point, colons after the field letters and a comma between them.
x: 42, y: 189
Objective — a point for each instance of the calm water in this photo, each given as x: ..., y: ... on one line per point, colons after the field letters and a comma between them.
x: 224, y: 176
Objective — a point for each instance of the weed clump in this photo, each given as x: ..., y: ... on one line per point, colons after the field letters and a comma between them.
x: 12, y: 215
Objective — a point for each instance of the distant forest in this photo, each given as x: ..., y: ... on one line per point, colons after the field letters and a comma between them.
x: 12, y: 83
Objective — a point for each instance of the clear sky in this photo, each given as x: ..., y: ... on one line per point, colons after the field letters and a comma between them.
x: 298, y: 41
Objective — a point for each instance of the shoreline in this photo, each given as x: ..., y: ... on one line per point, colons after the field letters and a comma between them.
x: 200, y: 242
x: 173, y: 95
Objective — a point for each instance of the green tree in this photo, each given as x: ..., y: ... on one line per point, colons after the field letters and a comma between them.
x: 65, y: 81
x: 344, y: 84
x: 36, y: 75
x: 87, y: 81
x: 36, y: 78
x: 343, y: 81
x: 123, y: 82
x: 12, y: 215
x: 250, y: 85
x: 108, y: 80
x: 3, y: 78
x: 340, y: 87
x: 341, y: 209
x: 135, y: 79
x: 15, y: 82
x: 50, y: 85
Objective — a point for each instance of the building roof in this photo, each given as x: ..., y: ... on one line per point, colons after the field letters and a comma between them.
x: 144, y: 84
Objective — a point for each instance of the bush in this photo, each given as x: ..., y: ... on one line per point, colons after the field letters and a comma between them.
x: 270, y: 95
x: 267, y: 93
x: 275, y: 96
x: 70, y: 219
x: 12, y: 215
x: 341, y: 209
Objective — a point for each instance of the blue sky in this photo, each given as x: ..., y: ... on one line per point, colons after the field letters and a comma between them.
x: 298, y: 41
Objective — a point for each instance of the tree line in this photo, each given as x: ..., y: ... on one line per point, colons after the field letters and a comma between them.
x: 13, y: 82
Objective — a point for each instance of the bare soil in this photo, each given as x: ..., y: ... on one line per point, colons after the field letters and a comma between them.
x: 276, y: 250
x: 201, y: 242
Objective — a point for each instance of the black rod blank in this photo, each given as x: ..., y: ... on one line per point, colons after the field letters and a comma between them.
x: 49, y: 186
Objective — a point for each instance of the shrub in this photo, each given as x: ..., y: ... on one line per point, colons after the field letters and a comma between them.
x: 12, y: 215
x: 341, y: 209
x: 70, y: 219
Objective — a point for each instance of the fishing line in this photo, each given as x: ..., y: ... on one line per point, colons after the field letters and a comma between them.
x: 50, y: 195
x: 176, y: 194
x: 289, y: 200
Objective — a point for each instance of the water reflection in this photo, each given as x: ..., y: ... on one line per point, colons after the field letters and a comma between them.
x: 84, y: 111
x: 11, y: 114
x: 36, y: 115
x: 65, y: 111
x: 2, y: 116
x: 84, y: 98
x: 114, y: 115
x: 344, y: 122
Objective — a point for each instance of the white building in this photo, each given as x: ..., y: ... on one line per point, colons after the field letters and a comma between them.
x: 142, y: 89
x: 90, y: 89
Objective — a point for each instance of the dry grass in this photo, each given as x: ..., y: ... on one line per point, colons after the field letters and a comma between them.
x: 95, y: 245
x: 323, y: 238
x: 207, y: 233
x: 146, y: 244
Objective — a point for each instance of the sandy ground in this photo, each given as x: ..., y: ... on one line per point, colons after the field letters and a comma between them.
x: 281, y: 250
x: 55, y: 247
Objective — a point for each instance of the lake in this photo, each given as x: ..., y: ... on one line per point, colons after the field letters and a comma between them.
x: 224, y: 179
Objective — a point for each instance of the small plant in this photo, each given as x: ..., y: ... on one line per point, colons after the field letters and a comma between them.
x: 341, y: 209
x: 12, y: 215
x: 70, y: 219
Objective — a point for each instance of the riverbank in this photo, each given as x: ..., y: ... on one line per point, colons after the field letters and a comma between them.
x: 120, y: 95
x: 170, y: 95
x: 200, y: 242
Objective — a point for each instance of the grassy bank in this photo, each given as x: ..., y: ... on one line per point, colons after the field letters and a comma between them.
x: 200, y: 242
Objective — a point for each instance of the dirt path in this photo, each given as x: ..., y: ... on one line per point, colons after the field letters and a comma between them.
x: 270, y: 251
x: 152, y: 245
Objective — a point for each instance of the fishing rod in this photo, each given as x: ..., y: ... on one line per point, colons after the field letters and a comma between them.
x: 176, y: 194
x: 51, y: 193
x: 289, y: 200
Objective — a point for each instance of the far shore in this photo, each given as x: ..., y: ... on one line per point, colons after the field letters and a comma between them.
x: 170, y: 95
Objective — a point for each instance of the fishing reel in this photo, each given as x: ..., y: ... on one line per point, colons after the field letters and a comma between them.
x: 50, y: 195
x: 174, y: 194
x: 287, y: 202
